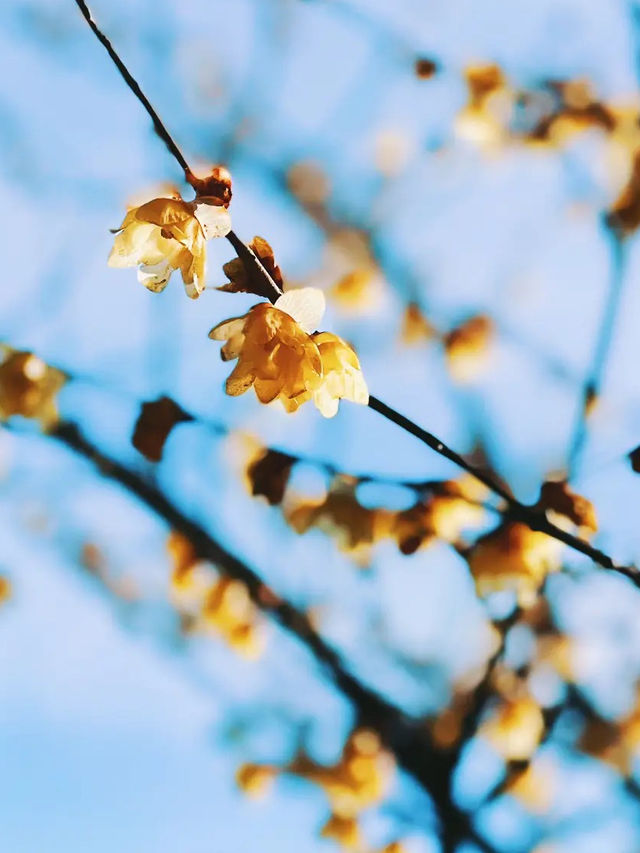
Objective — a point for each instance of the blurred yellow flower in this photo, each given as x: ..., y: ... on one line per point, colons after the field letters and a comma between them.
x: 344, y: 831
x: 255, y: 779
x: 28, y: 387
x: 514, y: 557
x: 280, y: 358
x: 167, y: 234
x: 515, y: 728
x: 360, y: 778
x: 5, y: 589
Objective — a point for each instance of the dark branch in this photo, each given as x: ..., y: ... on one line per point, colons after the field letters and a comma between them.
x: 406, y: 737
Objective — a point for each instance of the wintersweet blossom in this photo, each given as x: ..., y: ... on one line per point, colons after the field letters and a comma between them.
x: 167, y: 234
x: 28, y: 387
x: 282, y: 358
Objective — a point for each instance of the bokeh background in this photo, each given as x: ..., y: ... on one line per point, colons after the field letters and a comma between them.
x: 117, y: 730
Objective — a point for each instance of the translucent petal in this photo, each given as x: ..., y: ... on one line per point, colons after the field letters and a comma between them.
x: 227, y: 329
x: 215, y: 220
x: 305, y: 304
x: 155, y: 276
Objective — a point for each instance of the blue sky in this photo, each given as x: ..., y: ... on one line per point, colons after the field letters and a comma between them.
x: 110, y: 737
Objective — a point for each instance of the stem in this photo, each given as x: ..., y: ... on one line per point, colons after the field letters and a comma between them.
x: 132, y: 83
x: 271, y: 289
x: 593, y: 382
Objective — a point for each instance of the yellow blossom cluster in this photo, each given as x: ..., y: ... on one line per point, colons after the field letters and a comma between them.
x: 514, y: 557
x: 209, y: 602
x: 515, y: 728
x: 282, y: 358
x: 453, y: 508
x: 29, y: 387
x: 360, y: 779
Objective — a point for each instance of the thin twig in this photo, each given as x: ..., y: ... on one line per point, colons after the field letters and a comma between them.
x: 592, y: 386
x: 248, y: 257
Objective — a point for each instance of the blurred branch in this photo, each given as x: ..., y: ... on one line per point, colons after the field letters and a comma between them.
x: 592, y: 386
x: 406, y: 737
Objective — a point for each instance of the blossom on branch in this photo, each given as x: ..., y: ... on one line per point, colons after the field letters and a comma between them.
x: 28, y: 387
x: 167, y: 234
x: 281, y: 357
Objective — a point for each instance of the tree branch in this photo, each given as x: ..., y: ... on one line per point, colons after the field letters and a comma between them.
x: 404, y: 736
x: 593, y: 382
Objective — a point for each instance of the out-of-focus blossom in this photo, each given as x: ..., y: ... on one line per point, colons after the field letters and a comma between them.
x: 360, y: 778
x: 280, y: 358
x: 345, y: 831
x: 484, y: 118
x: 415, y: 326
x: 167, y: 234
x: 5, y: 589
x: 514, y: 557
x: 211, y: 602
x: 255, y: 779
x: 534, y: 786
x: 515, y: 728
x: 29, y: 387
x: 467, y: 348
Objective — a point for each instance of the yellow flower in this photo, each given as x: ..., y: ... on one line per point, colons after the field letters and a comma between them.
x: 168, y: 234
x: 280, y: 358
x: 255, y: 779
x: 28, y: 387
x: 5, y: 589
x: 515, y: 729
x: 344, y: 831
x: 514, y: 557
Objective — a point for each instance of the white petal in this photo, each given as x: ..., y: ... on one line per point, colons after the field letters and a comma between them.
x: 305, y: 304
x: 227, y: 329
x: 214, y: 219
x: 155, y: 276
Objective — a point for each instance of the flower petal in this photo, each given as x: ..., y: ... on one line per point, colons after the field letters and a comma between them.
x: 214, y: 220
x: 305, y: 304
x: 227, y: 329
x: 155, y: 276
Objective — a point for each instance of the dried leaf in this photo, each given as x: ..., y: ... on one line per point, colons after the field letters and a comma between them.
x: 155, y: 422
x: 269, y: 475
x: 241, y: 281
x: 557, y: 496
x: 425, y: 67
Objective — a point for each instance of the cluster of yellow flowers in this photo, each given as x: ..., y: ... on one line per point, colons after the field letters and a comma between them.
x: 280, y: 353
x: 29, y: 387
x: 359, y: 780
x: 513, y: 556
x: 444, y: 515
x: 210, y: 602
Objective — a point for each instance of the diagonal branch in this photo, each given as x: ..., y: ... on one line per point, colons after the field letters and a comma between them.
x: 245, y: 253
x: 405, y: 736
